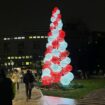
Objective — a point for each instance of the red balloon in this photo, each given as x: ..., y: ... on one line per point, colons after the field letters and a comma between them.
x: 49, y: 34
x: 55, y: 44
x: 51, y: 27
x: 55, y: 60
x: 55, y: 23
x: 55, y: 9
x: 67, y: 69
x: 64, y: 54
x: 59, y: 16
x: 61, y: 34
x: 46, y: 80
x: 56, y: 77
x: 49, y: 49
x: 60, y: 39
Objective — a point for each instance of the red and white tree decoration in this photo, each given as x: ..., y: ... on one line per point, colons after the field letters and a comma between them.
x: 56, y: 67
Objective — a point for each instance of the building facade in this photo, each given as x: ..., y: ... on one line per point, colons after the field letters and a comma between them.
x: 22, y: 49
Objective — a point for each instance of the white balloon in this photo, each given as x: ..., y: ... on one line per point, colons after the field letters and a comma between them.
x: 66, y: 79
x: 55, y: 32
x: 53, y: 19
x: 56, y: 68
x: 48, y: 57
x: 51, y: 25
x: 51, y: 38
x: 63, y: 46
x: 65, y: 62
x: 48, y: 44
x: 55, y: 52
x: 57, y: 12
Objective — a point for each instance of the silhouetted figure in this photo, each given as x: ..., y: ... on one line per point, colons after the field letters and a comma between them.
x: 6, y: 89
x: 28, y: 80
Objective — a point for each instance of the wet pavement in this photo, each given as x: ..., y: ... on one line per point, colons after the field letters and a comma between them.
x: 39, y: 99
x: 96, y: 97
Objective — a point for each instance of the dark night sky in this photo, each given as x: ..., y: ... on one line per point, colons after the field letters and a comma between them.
x: 29, y: 15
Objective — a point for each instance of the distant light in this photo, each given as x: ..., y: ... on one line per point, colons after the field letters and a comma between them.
x: 27, y: 63
x: 15, y: 38
x: 23, y: 37
x: 16, y: 57
x: 5, y: 38
x: 23, y: 57
x: 19, y: 38
x: 19, y: 57
x: 27, y: 57
x: 38, y: 36
x: 9, y: 58
x: 9, y: 63
x: 34, y: 37
x: 12, y: 57
x: 46, y: 36
x: 42, y: 36
x: 30, y: 37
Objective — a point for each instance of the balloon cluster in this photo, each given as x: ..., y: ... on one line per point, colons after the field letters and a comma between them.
x: 56, y: 67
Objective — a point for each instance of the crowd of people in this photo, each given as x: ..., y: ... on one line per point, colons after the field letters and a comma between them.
x: 9, y: 83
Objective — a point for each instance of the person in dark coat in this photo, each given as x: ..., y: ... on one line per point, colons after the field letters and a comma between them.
x: 6, y: 89
x: 28, y: 79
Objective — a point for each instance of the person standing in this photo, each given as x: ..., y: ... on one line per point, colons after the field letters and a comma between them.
x: 6, y: 89
x: 16, y: 78
x: 28, y: 79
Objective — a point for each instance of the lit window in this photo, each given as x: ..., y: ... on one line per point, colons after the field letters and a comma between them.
x: 9, y: 57
x: 5, y: 64
x: 15, y: 38
x: 42, y: 36
x: 19, y: 57
x: 8, y: 38
x: 27, y: 57
x: 16, y: 57
x: 5, y: 38
x: 38, y: 36
x: 9, y: 63
x: 30, y: 37
x: 23, y: 57
x: 19, y: 38
x: 30, y: 56
x: 46, y: 36
x: 23, y: 37
x: 12, y: 57
x: 27, y: 63
x: 34, y: 37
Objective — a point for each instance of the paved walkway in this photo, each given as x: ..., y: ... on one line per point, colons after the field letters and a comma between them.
x: 96, y: 97
x: 20, y: 98
x: 39, y: 99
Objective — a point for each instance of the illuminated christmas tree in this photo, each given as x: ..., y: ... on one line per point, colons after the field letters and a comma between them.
x: 56, y: 67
